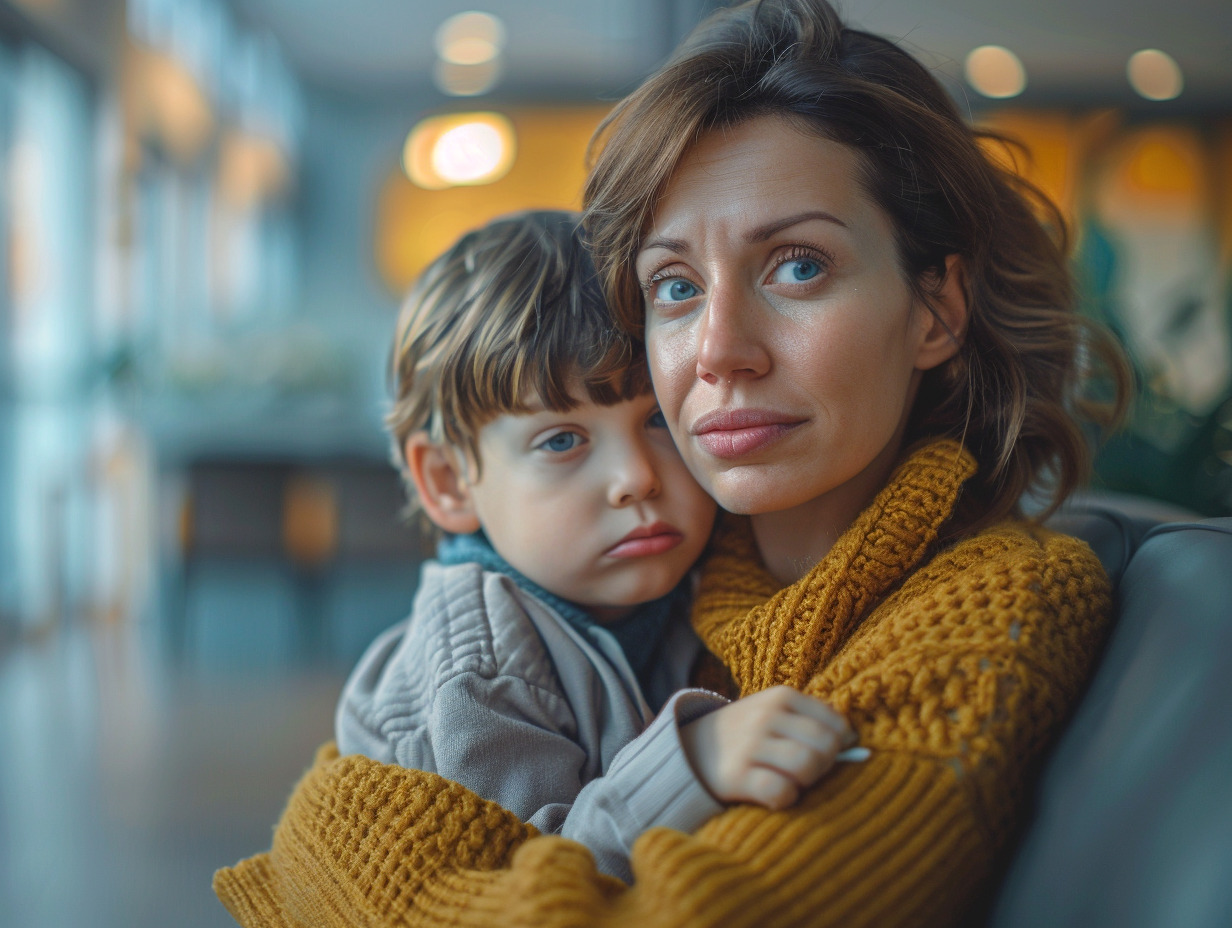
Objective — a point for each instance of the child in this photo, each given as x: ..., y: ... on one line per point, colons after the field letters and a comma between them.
x: 553, y: 624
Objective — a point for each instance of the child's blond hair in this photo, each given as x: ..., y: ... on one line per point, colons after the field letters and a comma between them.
x: 510, y: 314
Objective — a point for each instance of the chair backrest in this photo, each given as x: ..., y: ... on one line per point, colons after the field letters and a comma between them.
x: 1133, y: 822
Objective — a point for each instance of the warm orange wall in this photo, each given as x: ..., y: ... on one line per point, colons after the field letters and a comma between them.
x: 414, y: 225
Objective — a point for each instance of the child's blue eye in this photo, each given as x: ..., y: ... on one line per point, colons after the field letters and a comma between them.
x: 675, y: 290
x: 797, y: 271
x: 561, y: 442
x: 657, y: 420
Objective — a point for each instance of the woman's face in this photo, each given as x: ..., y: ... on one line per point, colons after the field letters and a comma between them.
x: 785, y: 345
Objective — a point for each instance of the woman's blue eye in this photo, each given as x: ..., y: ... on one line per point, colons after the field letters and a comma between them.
x: 675, y: 290
x: 561, y: 441
x: 796, y: 271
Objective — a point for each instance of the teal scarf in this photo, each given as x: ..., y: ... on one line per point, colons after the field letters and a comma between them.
x: 639, y: 634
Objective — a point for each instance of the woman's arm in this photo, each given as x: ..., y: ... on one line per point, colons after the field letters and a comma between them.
x: 956, y: 682
x: 894, y: 840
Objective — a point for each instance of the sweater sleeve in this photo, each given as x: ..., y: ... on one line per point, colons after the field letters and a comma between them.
x: 362, y: 843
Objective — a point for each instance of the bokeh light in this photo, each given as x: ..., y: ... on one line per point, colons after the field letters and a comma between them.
x: 413, y: 224
x: 251, y: 168
x: 466, y: 80
x: 470, y: 38
x: 468, y: 46
x: 469, y: 153
x: 459, y: 149
x: 996, y: 72
x: 1155, y: 75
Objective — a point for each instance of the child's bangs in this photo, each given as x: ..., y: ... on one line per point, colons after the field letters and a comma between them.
x: 606, y: 375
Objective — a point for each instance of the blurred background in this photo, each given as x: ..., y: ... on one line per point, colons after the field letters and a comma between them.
x: 208, y: 212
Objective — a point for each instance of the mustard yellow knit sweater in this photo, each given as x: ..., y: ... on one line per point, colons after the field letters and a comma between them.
x: 956, y: 668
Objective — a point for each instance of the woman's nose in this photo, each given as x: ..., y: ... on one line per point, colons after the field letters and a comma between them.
x: 730, y: 337
x: 634, y: 477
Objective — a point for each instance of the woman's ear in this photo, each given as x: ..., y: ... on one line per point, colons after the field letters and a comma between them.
x: 442, y: 483
x: 945, y: 316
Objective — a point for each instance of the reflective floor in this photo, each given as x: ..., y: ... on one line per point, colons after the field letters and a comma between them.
x: 124, y: 782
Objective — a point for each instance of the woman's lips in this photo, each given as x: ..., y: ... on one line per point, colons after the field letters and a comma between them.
x: 735, y: 433
x: 646, y: 540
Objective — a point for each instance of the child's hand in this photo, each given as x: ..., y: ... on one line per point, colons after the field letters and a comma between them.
x: 766, y: 748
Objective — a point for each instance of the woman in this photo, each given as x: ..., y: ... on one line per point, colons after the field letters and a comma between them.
x: 863, y: 339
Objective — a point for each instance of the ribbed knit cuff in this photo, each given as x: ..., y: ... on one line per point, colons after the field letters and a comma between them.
x: 671, y: 796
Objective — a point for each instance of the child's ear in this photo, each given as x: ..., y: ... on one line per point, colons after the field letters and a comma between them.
x: 945, y: 318
x: 442, y: 484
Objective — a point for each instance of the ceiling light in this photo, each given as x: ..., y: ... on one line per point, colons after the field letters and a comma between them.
x: 466, y: 80
x: 470, y: 153
x: 459, y: 149
x: 470, y: 38
x: 996, y: 72
x: 1155, y: 74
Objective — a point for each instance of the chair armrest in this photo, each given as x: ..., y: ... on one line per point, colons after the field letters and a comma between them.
x: 1134, y: 817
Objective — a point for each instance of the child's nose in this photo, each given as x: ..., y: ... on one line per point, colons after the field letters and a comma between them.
x: 636, y: 479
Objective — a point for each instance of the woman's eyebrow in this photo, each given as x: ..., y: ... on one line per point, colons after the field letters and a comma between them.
x: 753, y: 236
x: 763, y: 232
x: 675, y: 245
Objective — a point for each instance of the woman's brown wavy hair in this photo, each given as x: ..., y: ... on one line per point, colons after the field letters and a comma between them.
x: 1018, y: 388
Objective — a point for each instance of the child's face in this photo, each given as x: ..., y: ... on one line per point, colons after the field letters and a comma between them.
x: 594, y: 504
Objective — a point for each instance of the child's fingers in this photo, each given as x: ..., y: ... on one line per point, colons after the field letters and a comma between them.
x: 801, y: 703
x: 800, y: 762
x: 809, y: 708
x: 820, y: 736
x: 766, y: 748
x: 766, y: 786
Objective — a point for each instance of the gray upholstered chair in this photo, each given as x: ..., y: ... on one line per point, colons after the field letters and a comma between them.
x: 1133, y: 818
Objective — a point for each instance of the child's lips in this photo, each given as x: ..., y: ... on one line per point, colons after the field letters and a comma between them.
x: 646, y: 540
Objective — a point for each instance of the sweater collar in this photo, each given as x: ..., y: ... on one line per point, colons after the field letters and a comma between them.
x: 769, y: 635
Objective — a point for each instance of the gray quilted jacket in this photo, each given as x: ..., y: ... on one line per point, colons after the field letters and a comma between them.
x: 489, y: 687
